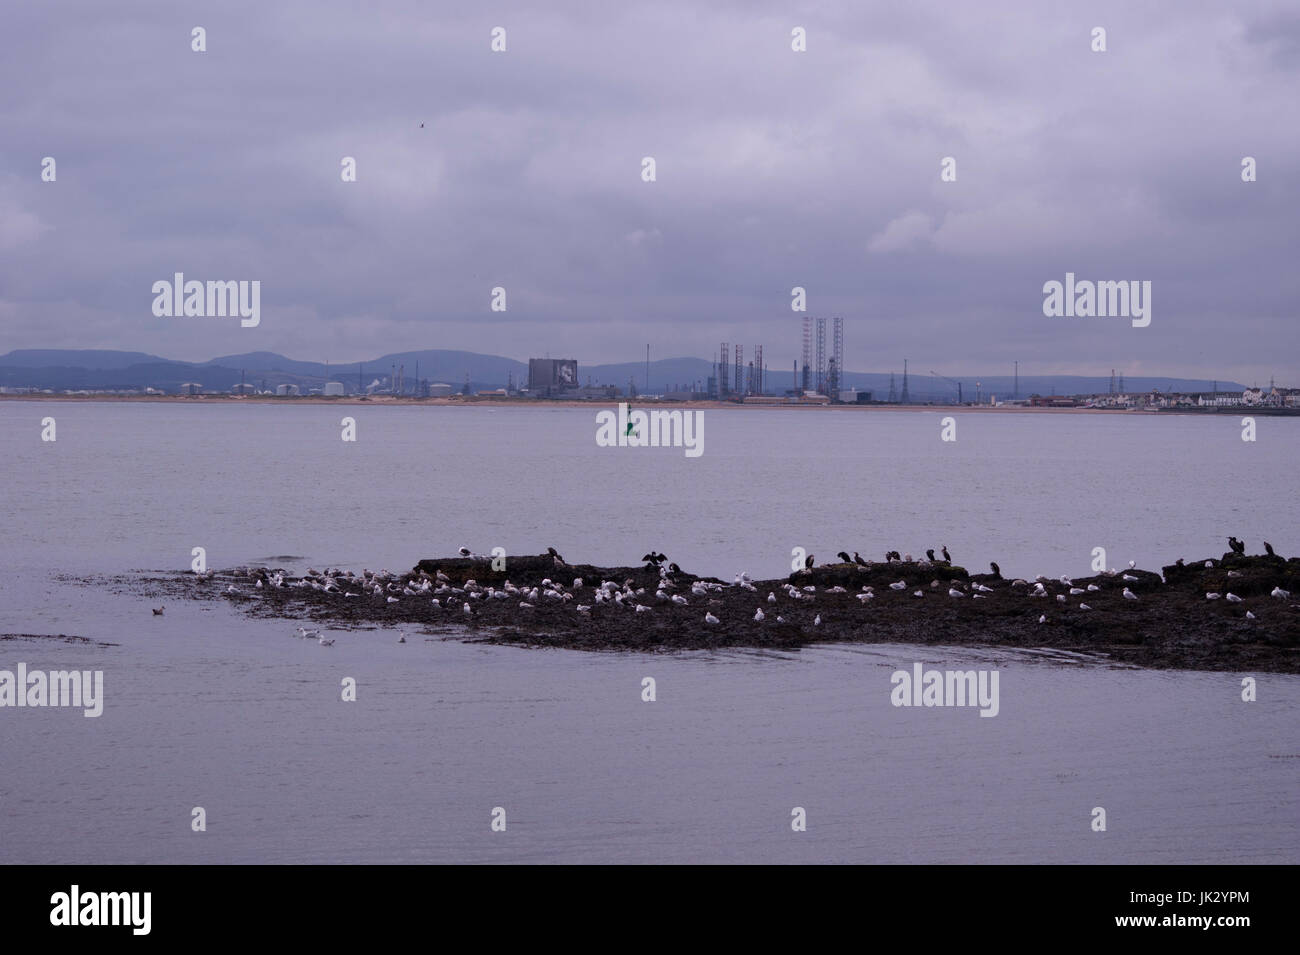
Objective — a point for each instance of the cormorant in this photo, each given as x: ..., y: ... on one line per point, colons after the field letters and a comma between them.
x: 997, y: 571
x: 844, y: 557
x: 944, y: 550
x: 555, y: 553
x: 674, y: 569
x: 1237, y: 546
x: 808, y: 562
x: 929, y: 555
x: 1268, y: 549
x: 857, y: 559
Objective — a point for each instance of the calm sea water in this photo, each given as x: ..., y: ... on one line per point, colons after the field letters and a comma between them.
x: 205, y: 707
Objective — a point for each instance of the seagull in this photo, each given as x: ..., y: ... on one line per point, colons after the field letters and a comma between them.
x: 817, y: 621
x: 915, y: 593
x: 1129, y: 595
x: 307, y: 634
x: 1093, y: 588
x: 898, y: 585
x: 1232, y: 598
x: 710, y: 619
x: 1277, y: 592
x: 393, y: 600
x: 1060, y: 598
x: 402, y: 638
x: 1042, y: 618
x: 758, y: 614
x: 679, y: 599
x: 1249, y: 615
x: 1084, y: 606
x: 771, y: 598
x: 953, y: 592
x: 324, y: 642
x: 1211, y: 596
x: 469, y: 611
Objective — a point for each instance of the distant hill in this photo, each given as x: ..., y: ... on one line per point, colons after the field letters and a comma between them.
x: 77, y: 368
x: 74, y: 358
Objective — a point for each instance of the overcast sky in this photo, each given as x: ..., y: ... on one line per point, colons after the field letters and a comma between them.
x: 775, y: 168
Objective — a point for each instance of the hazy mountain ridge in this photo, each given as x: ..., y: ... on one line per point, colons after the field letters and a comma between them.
x: 96, y: 368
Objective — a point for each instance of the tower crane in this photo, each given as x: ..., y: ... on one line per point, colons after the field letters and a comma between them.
x: 951, y: 382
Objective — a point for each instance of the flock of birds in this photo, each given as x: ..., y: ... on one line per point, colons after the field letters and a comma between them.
x: 670, y: 591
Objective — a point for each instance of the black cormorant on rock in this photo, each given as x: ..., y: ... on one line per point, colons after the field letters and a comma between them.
x: 929, y: 555
x: 844, y: 557
x: 857, y: 559
x: 808, y: 562
x: 944, y: 550
x: 1268, y: 549
x: 997, y: 571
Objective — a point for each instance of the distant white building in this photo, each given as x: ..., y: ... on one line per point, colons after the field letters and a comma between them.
x: 334, y: 389
x: 191, y: 388
x: 286, y: 391
x: 439, y: 390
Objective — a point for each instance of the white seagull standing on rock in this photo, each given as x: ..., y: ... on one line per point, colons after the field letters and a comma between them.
x: 1232, y: 598
x: 1129, y: 595
x: 710, y: 619
x: 758, y: 614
